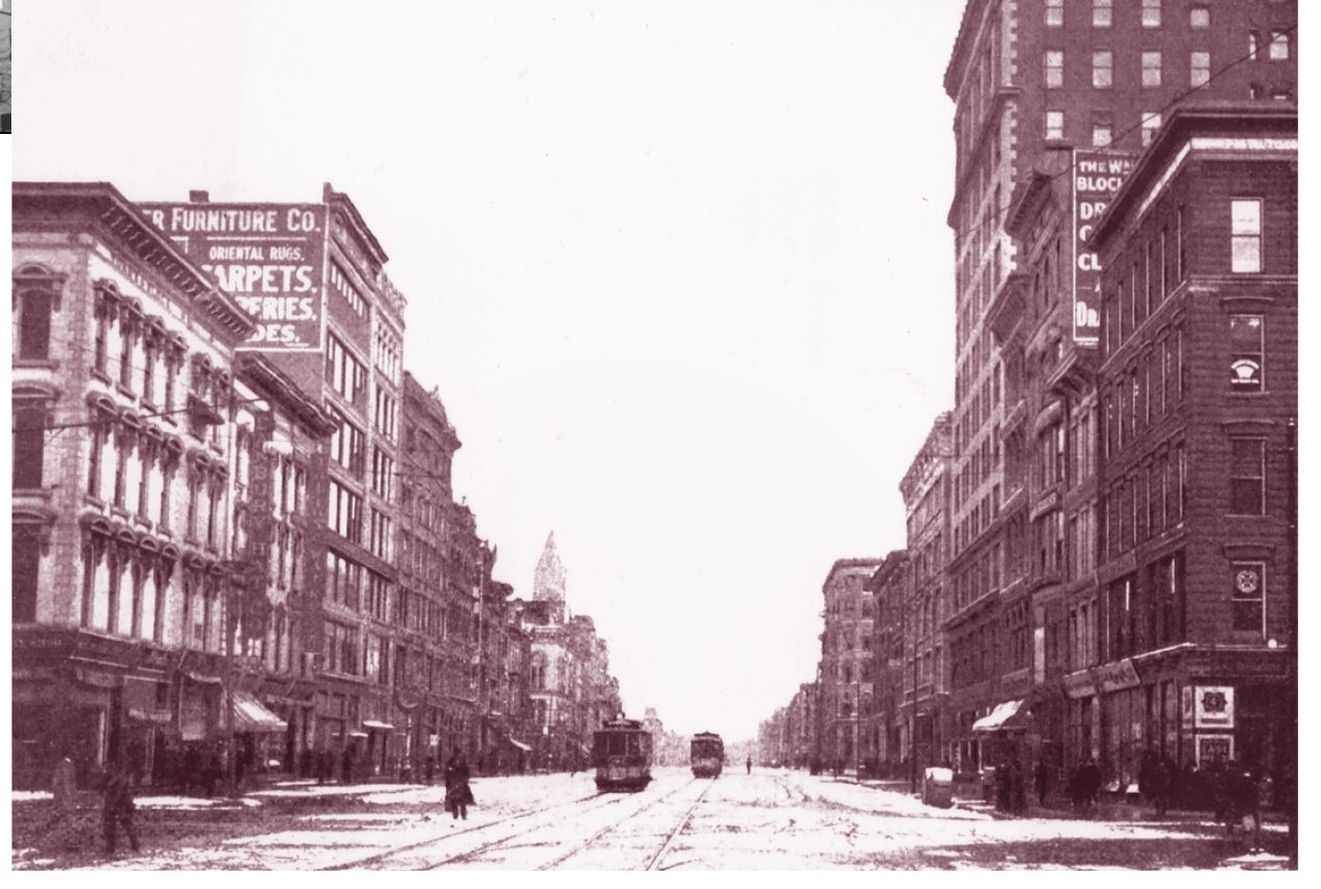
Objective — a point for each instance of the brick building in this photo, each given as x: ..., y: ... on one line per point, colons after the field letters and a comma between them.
x: 847, y: 690
x: 1098, y: 74
x: 890, y: 586
x: 122, y: 386
x: 1198, y: 387
x: 925, y: 677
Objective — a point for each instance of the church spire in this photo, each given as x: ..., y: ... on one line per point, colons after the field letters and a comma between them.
x: 548, y: 582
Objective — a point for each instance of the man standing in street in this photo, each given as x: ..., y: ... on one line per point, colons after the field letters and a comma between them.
x: 749, y: 764
x: 118, y: 808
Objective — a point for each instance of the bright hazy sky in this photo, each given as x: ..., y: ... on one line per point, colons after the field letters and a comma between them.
x: 679, y: 269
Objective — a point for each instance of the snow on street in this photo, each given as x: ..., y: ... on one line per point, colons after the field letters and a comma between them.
x: 772, y: 819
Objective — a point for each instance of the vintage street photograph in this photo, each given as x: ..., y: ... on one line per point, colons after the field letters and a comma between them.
x: 701, y: 435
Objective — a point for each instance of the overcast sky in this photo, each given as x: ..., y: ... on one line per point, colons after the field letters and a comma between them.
x: 680, y: 270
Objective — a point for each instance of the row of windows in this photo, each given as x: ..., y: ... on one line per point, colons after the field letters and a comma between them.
x: 1150, y: 14
x: 339, y: 280
x: 1146, y: 502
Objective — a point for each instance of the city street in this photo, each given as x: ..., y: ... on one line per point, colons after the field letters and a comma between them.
x: 773, y: 819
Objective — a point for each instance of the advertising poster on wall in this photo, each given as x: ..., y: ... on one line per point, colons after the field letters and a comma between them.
x: 1097, y: 175
x: 1215, y: 706
x: 270, y: 257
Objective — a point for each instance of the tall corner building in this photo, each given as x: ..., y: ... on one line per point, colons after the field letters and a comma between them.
x: 1027, y: 77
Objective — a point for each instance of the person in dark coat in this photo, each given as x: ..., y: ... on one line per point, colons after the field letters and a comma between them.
x: 211, y: 772
x: 346, y: 766
x: 118, y: 808
x: 1041, y: 781
x: 749, y: 765
x: 192, y: 769
x: 431, y: 768
x: 458, y: 795
x: 1089, y: 784
x: 1154, y: 782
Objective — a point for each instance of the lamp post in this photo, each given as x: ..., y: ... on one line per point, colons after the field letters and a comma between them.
x: 1291, y: 431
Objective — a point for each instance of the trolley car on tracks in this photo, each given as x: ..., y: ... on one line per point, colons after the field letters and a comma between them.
x: 621, y: 752
x: 707, y: 755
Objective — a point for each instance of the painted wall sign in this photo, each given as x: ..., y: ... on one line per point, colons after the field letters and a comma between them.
x: 1214, y: 706
x: 1097, y: 175
x: 270, y: 257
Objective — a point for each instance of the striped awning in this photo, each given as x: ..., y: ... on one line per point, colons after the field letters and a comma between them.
x: 251, y: 716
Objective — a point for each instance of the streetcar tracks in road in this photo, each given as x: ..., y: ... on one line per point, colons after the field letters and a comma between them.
x: 615, y: 825
x: 381, y: 857
x: 683, y: 822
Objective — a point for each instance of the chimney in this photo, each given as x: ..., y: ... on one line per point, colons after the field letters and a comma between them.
x: 197, y: 196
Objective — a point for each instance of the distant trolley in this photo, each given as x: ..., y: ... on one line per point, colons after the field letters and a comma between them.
x: 708, y: 755
x: 621, y: 752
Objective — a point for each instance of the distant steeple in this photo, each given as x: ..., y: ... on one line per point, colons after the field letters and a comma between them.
x: 548, y: 582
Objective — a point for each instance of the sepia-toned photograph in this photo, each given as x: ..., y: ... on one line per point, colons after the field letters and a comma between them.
x: 703, y: 435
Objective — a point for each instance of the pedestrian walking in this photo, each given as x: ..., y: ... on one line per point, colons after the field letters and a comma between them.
x: 749, y: 765
x: 458, y: 795
x: 118, y: 808
x: 64, y: 788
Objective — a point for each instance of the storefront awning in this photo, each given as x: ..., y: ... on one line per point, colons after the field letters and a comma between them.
x: 520, y: 745
x: 379, y: 726
x: 251, y: 716
x: 1004, y: 717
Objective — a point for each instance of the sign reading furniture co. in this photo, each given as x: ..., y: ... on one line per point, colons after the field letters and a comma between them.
x: 270, y: 257
x: 1097, y: 175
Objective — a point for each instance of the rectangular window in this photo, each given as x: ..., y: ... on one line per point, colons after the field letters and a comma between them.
x: 386, y: 413
x: 1248, y: 596
x: 1151, y: 68
x: 1150, y: 124
x: 343, y: 580
x: 1054, y: 124
x: 1102, y: 13
x: 345, y: 373
x: 1103, y: 129
x: 1254, y: 44
x: 1246, y: 352
x: 347, y: 445
x: 382, y: 535
x: 29, y: 444
x: 344, y: 512
x: 1054, y: 13
x: 1151, y: 13
x: 1054, y: 68
x: 382, y: 475
x: 1279, y: 49
x: 1247, y: 476
x: 101, y: 349
x: 1103, y: 65
x: 1199, y: 17
x: 1199, y: 69
x: 33, y: 308
x: 1245, y: 238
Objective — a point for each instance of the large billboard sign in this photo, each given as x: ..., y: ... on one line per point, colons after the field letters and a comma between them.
x: 269, y: 257
x: 1097, y: 175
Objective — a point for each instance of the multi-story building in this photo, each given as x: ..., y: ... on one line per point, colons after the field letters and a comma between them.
x: 123, y: 454
x: 786, y: 739
x: 925, y: 489
x: 312, y: 276
x: 1194, y: 627
x: 889, y: 586
x: 424, y: 496
x: 279, y: 434
x: 847, y: 692
x: 1096, y: 74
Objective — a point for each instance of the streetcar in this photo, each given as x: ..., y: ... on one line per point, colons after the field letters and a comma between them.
x: 707, y: 755
x: 621, y: 752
